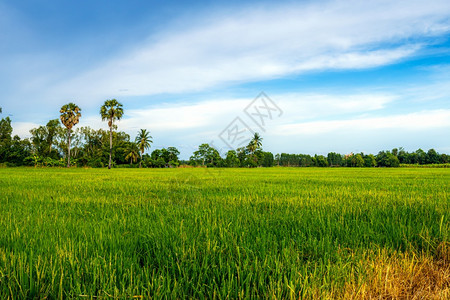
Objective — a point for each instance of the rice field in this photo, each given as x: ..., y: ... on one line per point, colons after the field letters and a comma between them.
x: 224, y: 233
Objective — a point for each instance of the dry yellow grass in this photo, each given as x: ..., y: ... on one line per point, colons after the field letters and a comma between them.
x: 405, y: 276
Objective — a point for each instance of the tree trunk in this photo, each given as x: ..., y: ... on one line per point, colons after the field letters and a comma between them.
x: 68, y: 148
x: 140, y: 163
x: 110, y: 146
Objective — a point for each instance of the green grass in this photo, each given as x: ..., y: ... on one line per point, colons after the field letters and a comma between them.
x: 211, y: 233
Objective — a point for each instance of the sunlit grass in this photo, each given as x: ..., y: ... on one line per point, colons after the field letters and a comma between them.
x: 217, y: 233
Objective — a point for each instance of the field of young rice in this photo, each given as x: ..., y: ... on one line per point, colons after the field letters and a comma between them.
x: 224, y: 233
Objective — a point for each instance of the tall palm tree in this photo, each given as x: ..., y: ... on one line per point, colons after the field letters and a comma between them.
x: 111, y: 111
x: 70, y: 116
x: 132, y: 152
x: 255, y: 143
x: 143, y: 140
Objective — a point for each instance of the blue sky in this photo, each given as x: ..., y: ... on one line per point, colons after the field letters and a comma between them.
x: 347, y: 76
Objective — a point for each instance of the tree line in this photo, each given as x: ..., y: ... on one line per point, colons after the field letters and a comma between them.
x: 393, y: 158
x: 60, y: 143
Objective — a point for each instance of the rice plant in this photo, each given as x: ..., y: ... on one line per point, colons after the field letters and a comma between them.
x: 224, y: 233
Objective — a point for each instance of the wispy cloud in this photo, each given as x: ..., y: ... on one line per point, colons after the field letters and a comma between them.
x: 212, y: 115
x: 261, y: 43
x: 422, y: 120
x: 221, y: 49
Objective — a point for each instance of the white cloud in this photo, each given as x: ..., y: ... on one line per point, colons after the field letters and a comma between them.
x: 244, y: 45
x: 22, y: 129
x: 264, y: 43
x: 212, y: 115
x: 423, y: 120
x: 184, y: 115
x: 299, y: 106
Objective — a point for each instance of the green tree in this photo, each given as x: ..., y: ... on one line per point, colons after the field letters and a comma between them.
x: 267, y: 159
x: 111, y: 111
x: 232, y: 161
x: 93, y: 152
x: 370, y: 161
x: 44, y: 137
x: 387, y: 159
x: 70, y: 116
x: 421, y: 156
x: 38, y: 141
x: 165, y: 157
x: 412, y: 158
x: 349, y: 160
x: 394, y: 152
x: 172, y: 155
x: 52, y: 131
x: 157, y: 153
x: 393, y: 161
x: 132, y: 152
x: 402, y: 156
x: 5, y: 139
x: 19, y: 151
x: 320, y: 161
x: 255, y: 143
x: 159, y: 163
x: 242, y: 154
x: 144, y: 140
x: 359, y: 161
x: 5, y: 130
x: 205, y: 154
x: 334, y: 159
x: 432, y: 157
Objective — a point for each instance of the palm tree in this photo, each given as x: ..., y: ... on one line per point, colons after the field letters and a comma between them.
x: 132, y: 152
x: 111, y: 111
x: 70, y: 116
x: 255, y: 143
x: 144, y: 140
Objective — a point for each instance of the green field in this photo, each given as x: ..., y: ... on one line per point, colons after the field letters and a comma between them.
x: 224, y: 233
